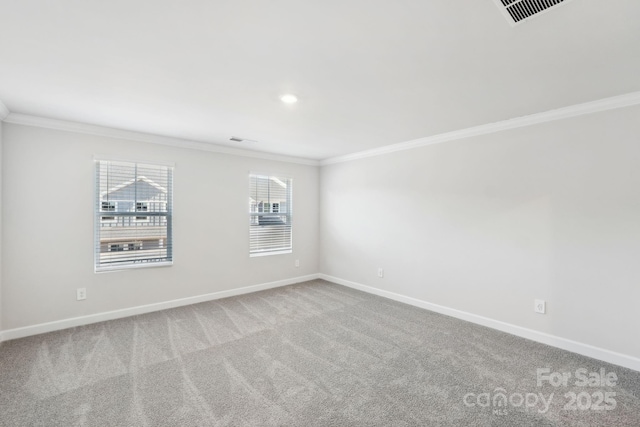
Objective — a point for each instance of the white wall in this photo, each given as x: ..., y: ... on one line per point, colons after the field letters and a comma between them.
x: 48, y: 226
x: 483, y: 225
x: 487, y: 224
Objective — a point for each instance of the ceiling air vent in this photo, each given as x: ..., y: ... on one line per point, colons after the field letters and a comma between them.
x: 236, y: 139
x: 517, y: 11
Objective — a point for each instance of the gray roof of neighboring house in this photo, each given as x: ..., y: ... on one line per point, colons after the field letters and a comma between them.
x: 141, y: 189
x: 275, y: 192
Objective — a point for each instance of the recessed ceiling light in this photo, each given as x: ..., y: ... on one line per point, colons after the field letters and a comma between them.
x: 289, y: 99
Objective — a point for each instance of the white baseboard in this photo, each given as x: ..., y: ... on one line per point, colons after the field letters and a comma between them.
x: 552, y: 340
x: 57, y: 325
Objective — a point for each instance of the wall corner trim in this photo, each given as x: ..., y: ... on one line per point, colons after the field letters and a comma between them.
x: 621, y: 101
x: 4, y: 111
x: 57, y: 325
x: 541, y: 337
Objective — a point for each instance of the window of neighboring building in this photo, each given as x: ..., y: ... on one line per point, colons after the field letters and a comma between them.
x: 125, y: 238
x: 142, y: 207
x: 108, y: 207
x: 270, y: 215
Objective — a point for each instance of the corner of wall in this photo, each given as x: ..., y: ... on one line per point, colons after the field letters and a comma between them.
x: 1, y: 204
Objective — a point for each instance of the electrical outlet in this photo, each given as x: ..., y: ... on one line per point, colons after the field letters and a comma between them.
x: 297, y: 263
x: 81, y: 293
x: 540, y: 306
x: 380, y: 272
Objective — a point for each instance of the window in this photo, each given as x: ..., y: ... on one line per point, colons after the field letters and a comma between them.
x: 142, y: 207
x: 108, y: 207
x: 269, y: 215
x: 125, y: 238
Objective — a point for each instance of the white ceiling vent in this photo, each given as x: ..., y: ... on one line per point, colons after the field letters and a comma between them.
x: 517, y: 11
x: 237, y: 139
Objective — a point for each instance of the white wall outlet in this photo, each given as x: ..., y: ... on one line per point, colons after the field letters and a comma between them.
x: 380, y: 272
x: 81, y: 293
x: 297, y: 263
x: 540, y: 306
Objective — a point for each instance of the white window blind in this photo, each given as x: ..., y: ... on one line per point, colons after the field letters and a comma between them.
x: 123, y: 237
x: 270, y: 214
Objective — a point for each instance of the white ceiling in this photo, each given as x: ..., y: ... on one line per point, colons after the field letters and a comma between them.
x: 368, y: 73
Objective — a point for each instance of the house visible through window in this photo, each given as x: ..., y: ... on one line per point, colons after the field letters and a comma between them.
x: 124, y: 237
x: 270, y: 215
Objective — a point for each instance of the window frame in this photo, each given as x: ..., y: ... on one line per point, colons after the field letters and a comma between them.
x: 138, y: 244
x: 258, y: 210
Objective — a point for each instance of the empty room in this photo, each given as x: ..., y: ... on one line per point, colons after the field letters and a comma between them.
x: 319, y: 213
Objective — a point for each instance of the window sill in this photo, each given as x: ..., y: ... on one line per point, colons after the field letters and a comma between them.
x: 133, y: 266
x: 259, y: 254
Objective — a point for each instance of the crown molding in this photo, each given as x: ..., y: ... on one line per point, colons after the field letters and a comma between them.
x: 621, y: 101
x: 4, y: 111
x: 605, y: 104
x: 63, y: 125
